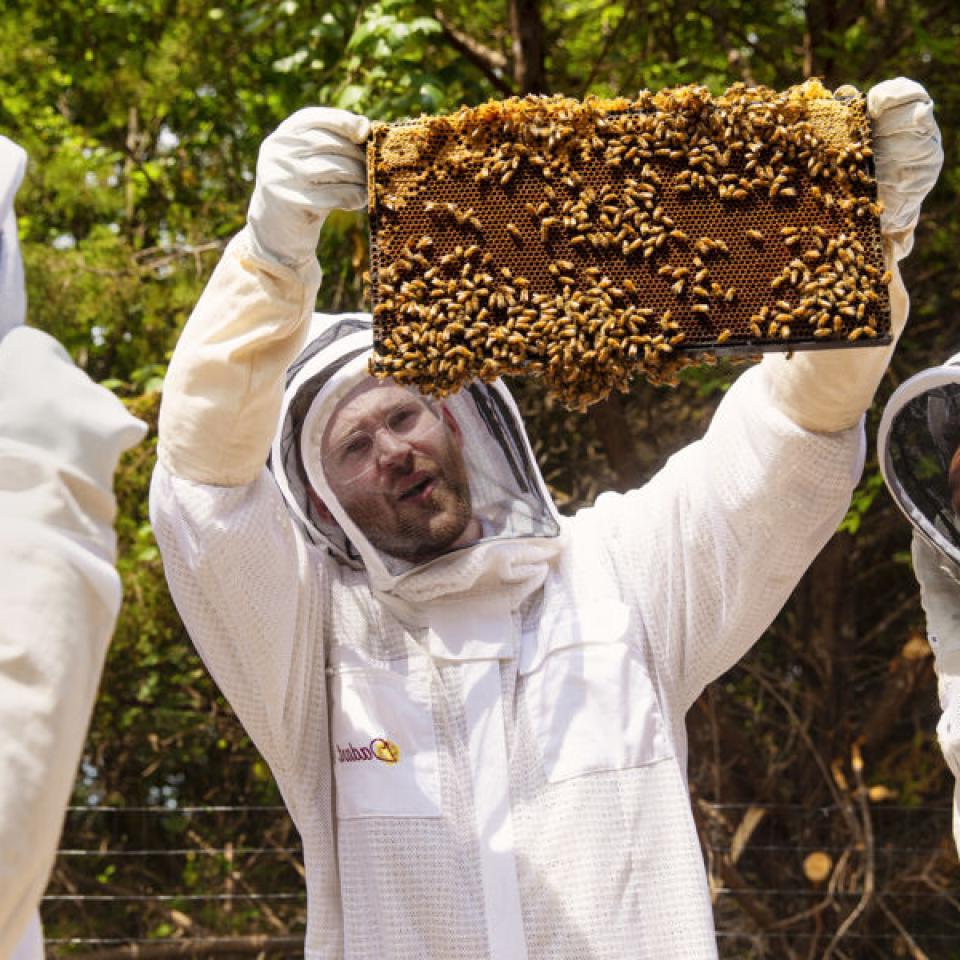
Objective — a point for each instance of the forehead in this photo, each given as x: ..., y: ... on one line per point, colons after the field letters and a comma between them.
x: 367, y: 402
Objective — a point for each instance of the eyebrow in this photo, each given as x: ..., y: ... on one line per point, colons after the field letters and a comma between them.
x: 339, y: 433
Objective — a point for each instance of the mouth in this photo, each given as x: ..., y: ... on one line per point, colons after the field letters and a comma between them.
x: 419, y: 490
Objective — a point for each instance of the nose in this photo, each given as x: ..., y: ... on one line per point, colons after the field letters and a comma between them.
x: 391, y: 449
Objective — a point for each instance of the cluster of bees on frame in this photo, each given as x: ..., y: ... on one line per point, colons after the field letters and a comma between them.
x: 589, y: 242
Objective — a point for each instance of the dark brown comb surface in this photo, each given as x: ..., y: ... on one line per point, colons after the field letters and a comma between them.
x: 588, y: 242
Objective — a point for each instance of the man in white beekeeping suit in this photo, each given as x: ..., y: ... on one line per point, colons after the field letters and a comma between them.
x: 473, y: 707
x: 60, y: 437
x: 918, y: 446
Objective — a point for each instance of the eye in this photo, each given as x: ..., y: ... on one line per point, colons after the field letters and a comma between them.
x: 404, y: 419
x: 354, y: 448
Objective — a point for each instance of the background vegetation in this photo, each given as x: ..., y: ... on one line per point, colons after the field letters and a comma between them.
x: 142, y: 119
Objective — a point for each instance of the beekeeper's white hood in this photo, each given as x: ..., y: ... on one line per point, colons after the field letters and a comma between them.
x: 520, y: 524
x: 919, y: 434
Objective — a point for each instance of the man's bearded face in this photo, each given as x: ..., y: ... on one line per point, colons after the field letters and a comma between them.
x: 395, y: 463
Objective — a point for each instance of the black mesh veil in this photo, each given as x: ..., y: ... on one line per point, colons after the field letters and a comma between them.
x: 302, y: 386
x: 919, y: 437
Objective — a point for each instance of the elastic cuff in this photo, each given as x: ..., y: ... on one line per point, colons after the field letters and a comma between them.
x: 247, y: 247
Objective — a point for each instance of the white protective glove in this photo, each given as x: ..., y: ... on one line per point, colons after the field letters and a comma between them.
x: 13, y: 301
x: 830, y: 390
x: 908, y: 155
x: 314, y: 162
x: 940, y: 595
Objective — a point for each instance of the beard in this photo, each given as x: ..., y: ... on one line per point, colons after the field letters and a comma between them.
x: 422, y: 525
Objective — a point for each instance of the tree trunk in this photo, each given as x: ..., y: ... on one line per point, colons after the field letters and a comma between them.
x: 526, y: 24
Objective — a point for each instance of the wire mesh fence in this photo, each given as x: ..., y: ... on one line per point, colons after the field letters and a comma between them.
x: 787, y: 881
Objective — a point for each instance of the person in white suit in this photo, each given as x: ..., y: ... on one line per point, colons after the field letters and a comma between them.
x: 474, y: 708
x: 60, y: 438
x: 918, y: 445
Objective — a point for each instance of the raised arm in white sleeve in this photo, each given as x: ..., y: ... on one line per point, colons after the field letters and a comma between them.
x: 715, y: 544
x: 712, y: 547
x: 222, y: 393
x: 940, y: 595
x: 60, y: 437
x: 828, y: 390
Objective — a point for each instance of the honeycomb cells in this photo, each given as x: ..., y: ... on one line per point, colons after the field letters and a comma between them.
x: 589, y: 242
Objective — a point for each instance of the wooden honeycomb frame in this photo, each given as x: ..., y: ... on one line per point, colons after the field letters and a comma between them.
x: 588, y: 242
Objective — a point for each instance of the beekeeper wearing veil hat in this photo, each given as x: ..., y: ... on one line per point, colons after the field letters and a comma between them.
x: 919, y: 450
x: 474, y: 708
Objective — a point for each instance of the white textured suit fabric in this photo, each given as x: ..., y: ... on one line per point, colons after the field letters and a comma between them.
x: 60, y: 437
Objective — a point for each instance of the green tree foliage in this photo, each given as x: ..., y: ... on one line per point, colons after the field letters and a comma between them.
x: 142, y: 120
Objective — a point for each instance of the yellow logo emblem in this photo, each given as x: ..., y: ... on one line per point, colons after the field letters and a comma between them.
x: 385, y: 750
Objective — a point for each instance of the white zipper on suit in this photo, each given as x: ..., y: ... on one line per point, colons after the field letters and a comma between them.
x: 477, y: 640
x: 483, y: 706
